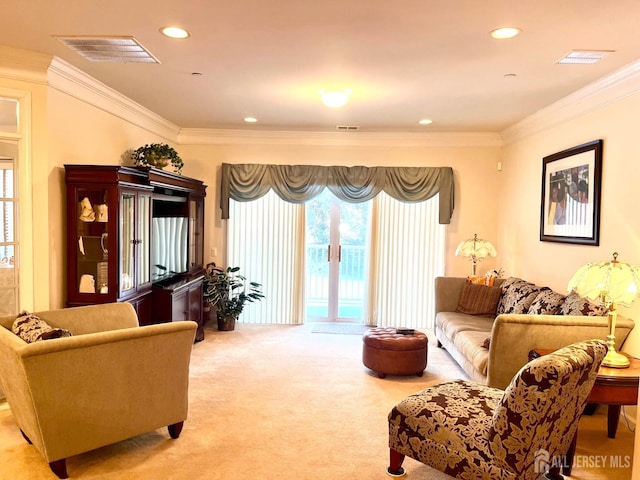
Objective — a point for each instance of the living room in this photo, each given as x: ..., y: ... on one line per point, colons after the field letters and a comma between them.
x: 75, y: 119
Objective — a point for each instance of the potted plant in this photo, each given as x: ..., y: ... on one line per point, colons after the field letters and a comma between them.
x: 229, y: 292
x: 157, y: 155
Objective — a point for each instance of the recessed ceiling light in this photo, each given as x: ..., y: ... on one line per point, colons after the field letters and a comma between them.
x: 335, y: 98
x: 425, y: 121
x: 510, y: 75
x: 250, y: 119
x: 505, y: 32
x: 174, y: 32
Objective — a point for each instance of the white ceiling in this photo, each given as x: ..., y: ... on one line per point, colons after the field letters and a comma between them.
x: 404, y: 60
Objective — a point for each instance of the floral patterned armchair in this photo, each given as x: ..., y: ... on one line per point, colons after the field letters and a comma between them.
x: 471, y: 431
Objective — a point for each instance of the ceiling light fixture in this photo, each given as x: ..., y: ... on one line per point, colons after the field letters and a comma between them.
x: 425, y: 121
x: 335, y: 98
x: 250, y: 119
x: 505, y: 32
x: 174, y: 32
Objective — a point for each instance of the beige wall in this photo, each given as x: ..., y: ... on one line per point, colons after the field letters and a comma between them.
x: 553, y: 264
x: 476, y: 182
x: 79, y: 134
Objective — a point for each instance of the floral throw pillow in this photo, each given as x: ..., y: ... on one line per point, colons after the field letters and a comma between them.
x: 574, y: 304
x: 518, y: 296
x: 547, y: 302
x: 32, y: 328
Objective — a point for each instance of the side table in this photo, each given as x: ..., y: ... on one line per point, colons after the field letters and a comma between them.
x: 613, y: 387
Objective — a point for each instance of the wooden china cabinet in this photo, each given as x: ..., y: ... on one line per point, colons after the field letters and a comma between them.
x: 136, y: 234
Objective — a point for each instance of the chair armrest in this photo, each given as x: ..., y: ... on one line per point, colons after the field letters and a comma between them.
x: 514, y: 336
x: 92, y: 390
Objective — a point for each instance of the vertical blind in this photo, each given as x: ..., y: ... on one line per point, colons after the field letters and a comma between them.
x: 266, y: 240
x: 408, y: 254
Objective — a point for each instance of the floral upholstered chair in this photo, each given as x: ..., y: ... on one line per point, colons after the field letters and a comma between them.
x: 473, y: 432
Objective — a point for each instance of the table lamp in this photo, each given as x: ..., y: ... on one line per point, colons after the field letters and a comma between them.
x: 476, y: 249
x: 612, y: 283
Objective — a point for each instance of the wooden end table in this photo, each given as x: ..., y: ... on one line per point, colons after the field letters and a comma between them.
x: 613, y: 387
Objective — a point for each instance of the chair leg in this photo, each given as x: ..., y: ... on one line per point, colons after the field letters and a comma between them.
x: 395, y: 464
x: 175, y: 429
x: 59, y: 467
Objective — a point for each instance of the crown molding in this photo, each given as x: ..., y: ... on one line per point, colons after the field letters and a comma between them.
x: 24, y: 65
x: 200, y: 136
x: 599, y: 94
x: 72, y: 81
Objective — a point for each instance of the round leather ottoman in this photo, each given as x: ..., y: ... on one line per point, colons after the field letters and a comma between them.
x: 389, y: 353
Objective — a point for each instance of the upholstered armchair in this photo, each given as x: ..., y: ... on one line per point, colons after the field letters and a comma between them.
x: 111, y: 380
x: 471, y: 431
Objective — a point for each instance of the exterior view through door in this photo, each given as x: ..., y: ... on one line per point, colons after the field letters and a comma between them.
x: 337, y: 242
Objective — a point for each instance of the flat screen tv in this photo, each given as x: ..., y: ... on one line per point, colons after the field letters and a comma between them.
x: 168, y: 247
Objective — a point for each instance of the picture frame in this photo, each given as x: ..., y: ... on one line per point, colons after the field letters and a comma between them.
x: 570, y: 205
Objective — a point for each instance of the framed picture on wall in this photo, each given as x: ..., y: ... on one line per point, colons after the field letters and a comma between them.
x: 570, y: 207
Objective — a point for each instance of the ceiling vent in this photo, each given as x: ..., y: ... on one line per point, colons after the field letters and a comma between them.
x: 345, y: 128
x: 109, y: 49
x: 584, y: 57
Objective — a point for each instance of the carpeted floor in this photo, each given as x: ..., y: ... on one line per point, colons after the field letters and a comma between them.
x: 339, y: 328
x: 277, y: 402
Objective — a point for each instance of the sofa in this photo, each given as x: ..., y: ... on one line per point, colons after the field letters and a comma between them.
x: 490, y: 329
x: 100, y: 379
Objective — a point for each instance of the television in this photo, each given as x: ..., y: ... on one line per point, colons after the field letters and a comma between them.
x: 168, y: 247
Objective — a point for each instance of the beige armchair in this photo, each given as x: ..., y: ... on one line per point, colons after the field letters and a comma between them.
x: 110, y: 381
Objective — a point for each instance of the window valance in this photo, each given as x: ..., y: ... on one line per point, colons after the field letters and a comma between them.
x: 300, y: 183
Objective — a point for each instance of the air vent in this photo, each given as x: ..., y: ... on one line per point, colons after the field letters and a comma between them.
x: 109, y: 49
x: 347, y: 127
x: 584, y: 57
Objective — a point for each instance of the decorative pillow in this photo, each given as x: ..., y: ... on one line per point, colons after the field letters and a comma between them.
x: 482, y: 280
x: 518, y: 297
x: 31, y: 328
x: 479, y: 299
x: 547, y: 302
x: 574, y: 304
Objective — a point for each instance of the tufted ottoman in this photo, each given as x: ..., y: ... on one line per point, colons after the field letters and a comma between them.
x: 387, y: 352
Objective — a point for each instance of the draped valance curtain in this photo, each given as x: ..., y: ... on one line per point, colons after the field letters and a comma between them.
x: 300, y: 183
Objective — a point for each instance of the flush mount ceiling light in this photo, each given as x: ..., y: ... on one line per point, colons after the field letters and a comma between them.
x: 335, y: 98
x: 174, y: 32
x: 505, y: 32
x: 425, y: 121
x: 250, y: 119
x: 584, y: 57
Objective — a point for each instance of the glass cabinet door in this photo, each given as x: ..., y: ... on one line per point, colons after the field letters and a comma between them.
x: 143, y: 242
x: 196, y: 237
x: 127, y: 242
x: 92, y: 267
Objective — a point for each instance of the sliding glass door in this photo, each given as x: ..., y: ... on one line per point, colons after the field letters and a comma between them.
x: 337, y: 245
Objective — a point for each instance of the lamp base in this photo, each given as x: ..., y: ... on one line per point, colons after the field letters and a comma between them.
x: 614, y: 359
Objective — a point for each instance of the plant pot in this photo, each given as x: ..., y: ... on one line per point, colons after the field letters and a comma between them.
x: 226, y: 323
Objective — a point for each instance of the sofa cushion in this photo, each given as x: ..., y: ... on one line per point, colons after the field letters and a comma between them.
x: 547, y: 302
x: 31, y: 328
x: 574, y: 304
x: 518, y: 297
x: 452, y: 323
x: 477, y: 299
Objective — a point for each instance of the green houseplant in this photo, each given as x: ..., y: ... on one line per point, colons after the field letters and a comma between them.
x: 229, y: 292
x: 157, y: 155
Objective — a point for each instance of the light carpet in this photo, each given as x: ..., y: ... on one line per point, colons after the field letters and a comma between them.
x: 277, y: 402
x: 340, y: 328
